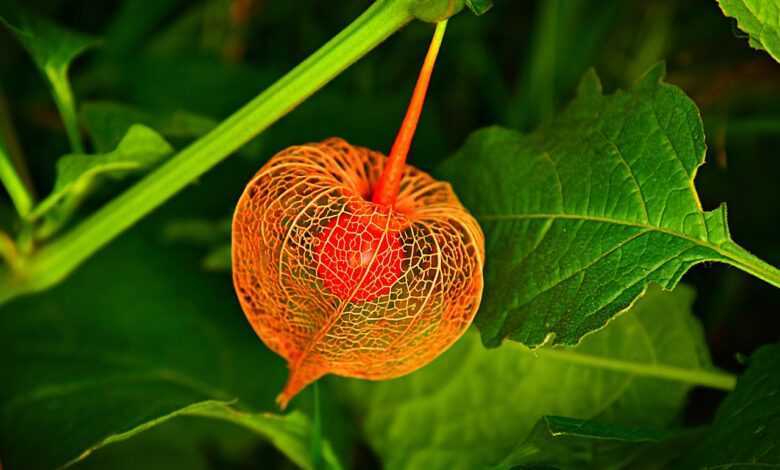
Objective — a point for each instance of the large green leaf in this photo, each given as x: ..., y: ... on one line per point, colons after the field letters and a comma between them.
x: 53, y: 49
x: 187, y: 442
x: 746, y: 431
x: 583, y: 213
x: 567, y: 443
x: 760, y: 19
x: 471, y: 406
x: 137, y: 336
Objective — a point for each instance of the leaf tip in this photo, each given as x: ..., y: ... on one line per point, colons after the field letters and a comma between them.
x: 654, y: 76
x: 490, y: 341
x: 590, y: 85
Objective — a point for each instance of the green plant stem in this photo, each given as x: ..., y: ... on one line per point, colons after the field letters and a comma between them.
x: 316, y: 432
x: 52, y: 263
x: 13, y: 149
x: 742, y: 259
x: 66, y: 104
x: 753, y: 125
x: 8, y: 251
x: 707, y: 378
x: 535, y: 97
x: 16, y: 187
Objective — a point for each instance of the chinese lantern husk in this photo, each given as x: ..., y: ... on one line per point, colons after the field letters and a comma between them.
x: 377, y: 329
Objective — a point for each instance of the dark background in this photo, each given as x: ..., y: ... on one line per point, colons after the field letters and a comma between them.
x: 514, y: 66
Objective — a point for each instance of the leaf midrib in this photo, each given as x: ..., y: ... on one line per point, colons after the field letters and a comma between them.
x: 658, y: 370
x: 589, y: 218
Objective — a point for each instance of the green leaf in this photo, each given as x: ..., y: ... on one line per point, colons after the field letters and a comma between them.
x: 583, y: 213
x: 470, y: 407
x: 479, y: 7
x: 291, y: 434
x: 214, y: 235
x: 218, y: 259
x: 53, y: 49
x: 746, y: 430
x: 565, y: 40
x: 567, y: 443
x: 108, y: 122
x: 78, y: 174
x: 196, y: 443
x: 136, y: 337
x: 760, y: 19
x: 187, y: 442
x: 194, y: 231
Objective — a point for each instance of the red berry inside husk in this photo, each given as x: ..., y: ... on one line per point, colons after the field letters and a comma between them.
x: 359, y: 259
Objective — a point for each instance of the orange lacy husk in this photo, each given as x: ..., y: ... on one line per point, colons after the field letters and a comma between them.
x: 418, y: 305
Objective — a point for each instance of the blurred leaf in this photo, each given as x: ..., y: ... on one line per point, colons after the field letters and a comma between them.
x: 746, y: 431
x: 583, y: 213
x: 565, y: 39
x: 77, y: 174
x: 567, y: 443
x: 479, y: 7
x: 50, y: 46
x: 187, y: 442
x: 760, y: 19
x: 200, y: 232
x: 52, y: 49
x: 108, y: 122
x: 218, y: 259
x: 133, y: 23
x: 191, y: 443
x: 471, y: 406
x: 291, y: 434
x: 197, y: 231
x: 138, y: 335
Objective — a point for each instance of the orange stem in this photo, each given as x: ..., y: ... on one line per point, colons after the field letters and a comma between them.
x: 386, y: 189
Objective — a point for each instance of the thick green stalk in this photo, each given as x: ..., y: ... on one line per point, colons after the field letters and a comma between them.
x: 53, y: 262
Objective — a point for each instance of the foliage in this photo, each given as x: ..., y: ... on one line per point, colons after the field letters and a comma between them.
x: 53, y: 49
x: 79, y: 174
x: 120, y: 372
x: 493, y: 398
x: 746, y: 429
x: 570, y: 443
x: 586, y: 211
x: 122, y: 344
x: 760, y: 19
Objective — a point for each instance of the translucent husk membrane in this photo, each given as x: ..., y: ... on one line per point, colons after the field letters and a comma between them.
x: 335, y: 283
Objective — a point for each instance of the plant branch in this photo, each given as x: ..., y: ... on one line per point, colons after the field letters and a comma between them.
x: 742, y: 259
x: 66, y: 104
x: 16, y: 187
x: 12, y: 146
x: 53, y: 262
